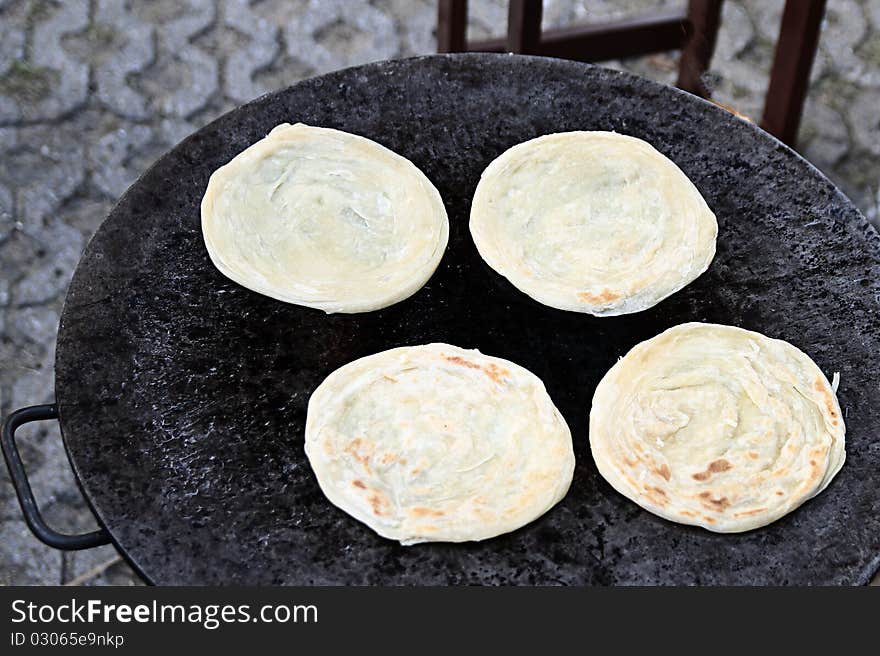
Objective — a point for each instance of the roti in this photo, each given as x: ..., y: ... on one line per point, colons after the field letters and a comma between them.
x: 717, y: 426
x: 325, y: 219
x: 593, y: 222
x: 436, y: 443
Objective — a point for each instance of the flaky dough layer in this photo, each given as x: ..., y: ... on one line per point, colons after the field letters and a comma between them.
x: 326, y: 219
x: 438, y: 443
x: 593, y: 222
x: 717, y: 426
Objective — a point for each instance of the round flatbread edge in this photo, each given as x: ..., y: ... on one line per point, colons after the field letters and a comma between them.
x: 435, y: 443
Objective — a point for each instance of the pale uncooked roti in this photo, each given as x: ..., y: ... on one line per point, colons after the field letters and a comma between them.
x: 436, y: 443
x: 594, y: 222
x: 325, y: 219
x: 717, y: 426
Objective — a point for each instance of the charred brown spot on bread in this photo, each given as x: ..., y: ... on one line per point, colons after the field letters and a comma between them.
x: 388, y: 458
x: 495, y: 372
x: 780, y: 493
x: 403, y: 461
x: 359, y: 484
x: 426, y: 512
x: 656, y: 495
x: 376, y: 503
x: 454, y: 359
x: 663, y: 470
x: 631, y: 463
x: 688, y: 513
x: 605, y: 296
x: 715, y: 467
x: 753, y: 455
x: 492, y: 370
x: 746, y: 513
x: 714, y: 504
x: 354, y: 450
x: 711, y: 520
x: 815, y: 471
x: 390, y: 379
x: 827, y: 397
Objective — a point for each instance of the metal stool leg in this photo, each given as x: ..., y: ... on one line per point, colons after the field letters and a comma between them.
x: 790, y: 76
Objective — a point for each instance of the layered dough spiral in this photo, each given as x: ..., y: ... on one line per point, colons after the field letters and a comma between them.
x: 717, y: 426
x: 594, y: 222
x: 438, y: 443
x: 326, y: 219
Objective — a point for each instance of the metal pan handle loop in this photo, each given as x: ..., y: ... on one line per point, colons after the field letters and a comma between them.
x: 26, y: 499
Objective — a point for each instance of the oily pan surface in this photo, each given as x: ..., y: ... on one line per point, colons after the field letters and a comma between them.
x: 183, y: 395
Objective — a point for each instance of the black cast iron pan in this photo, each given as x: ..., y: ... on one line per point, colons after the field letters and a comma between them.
x: 182, y: 396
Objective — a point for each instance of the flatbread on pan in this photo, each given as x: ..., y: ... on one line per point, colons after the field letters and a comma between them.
x: 593, y: 222
x: 325, y: 219
x: 717, y: 426
x: 436, y: 443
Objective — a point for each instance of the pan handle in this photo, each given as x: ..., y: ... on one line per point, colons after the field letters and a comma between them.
x: 23, y: 488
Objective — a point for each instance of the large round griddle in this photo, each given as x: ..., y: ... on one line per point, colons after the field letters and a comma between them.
x: 183, y: 396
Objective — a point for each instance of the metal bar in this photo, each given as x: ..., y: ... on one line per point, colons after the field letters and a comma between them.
x: 667, y: 30
x: 705, y: 18
x: 452, y: 26
x: 524, y: 26
x: 790, y: 76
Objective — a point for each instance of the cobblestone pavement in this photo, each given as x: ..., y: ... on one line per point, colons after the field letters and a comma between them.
x: 91, y: 92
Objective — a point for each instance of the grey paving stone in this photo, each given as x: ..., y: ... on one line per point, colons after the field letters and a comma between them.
x: 334, y: 34
x: 824, y: 137
x: 184, y: 77
x: 258, y: 49
x: 486, y: 19
x: 843, y: 29
x: 15, y: 84
x: 60, y: 247
x: 766, y: 16
x: 12, y: 38
x: 69, y: 78
x: 864, y: 118
x: 284, y: 71
x: 25, y: 561
x: 121, y: 45
x: 110, y: 156
x: 7, y: 223
x: 82, y: 562
x: 416, y: 24
x: 34, y: 383
x: 736, y: 31
x: 85, y: 212
x: 45, y: 169
x: 18, y: 251
x: 872, y: 12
